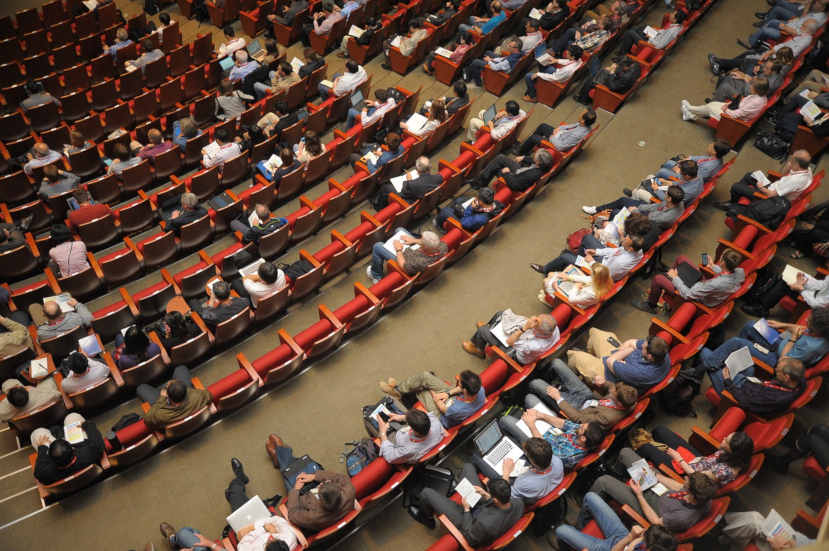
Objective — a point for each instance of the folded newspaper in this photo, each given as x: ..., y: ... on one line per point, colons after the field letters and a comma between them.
x: 762, y: 179
x: 442, y: 52
x: 642, y: 473
x: 251, y: 268
x: 774, y: 525
x: 510, y: 322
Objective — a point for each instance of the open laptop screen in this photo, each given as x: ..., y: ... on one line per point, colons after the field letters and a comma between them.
x: 487, y: 438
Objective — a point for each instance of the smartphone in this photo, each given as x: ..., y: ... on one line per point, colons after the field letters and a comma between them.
x: 614, y: 342
x: 761, y: 348
x: 384, y: 416
x: 704, y: 259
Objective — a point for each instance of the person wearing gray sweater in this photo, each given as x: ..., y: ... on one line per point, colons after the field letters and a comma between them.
x: 51, y: 321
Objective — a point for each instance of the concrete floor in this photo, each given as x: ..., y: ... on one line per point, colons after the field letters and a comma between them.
x: 319, y: 410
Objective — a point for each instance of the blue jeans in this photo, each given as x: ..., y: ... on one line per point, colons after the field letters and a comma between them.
x: 379, y: 255
x: 769, y: 31
x: 187, y: 537
x: 354, y: 113
x: 784, y: 11
x: 285, y: 455
x: 530, y: 81
x: 324, y: 90
x: 608, y: 521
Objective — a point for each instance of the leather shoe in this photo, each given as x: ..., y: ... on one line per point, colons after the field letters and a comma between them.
x: 385, y: 66
x: 754, y: 310
x: 472, y: 349
x: 167, y: 530
x: 627, y: 191
x: 239, y: 470
x: 743, y: 44
x: 388, y: 389
x: 538, y: 268
x: 722, y: 206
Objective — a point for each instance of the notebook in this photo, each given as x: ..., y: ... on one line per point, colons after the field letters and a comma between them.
x: 542, y: 426
x: 642, y: 473
x: 536, y: 13
x: 39, y: 368
x: 251, y: 268
x: 415, y: 122
x: 355, y: 31
x: 790, y: 274
x: 226, y: 63
x: 467, y: 492
x: 90, y: 345
x: 252, y: 511
x: 442, y: 52
x: 688, y: 274
x: 738, y: 361
x: 774, y: 525
x: 389, y: 244
x: 509, y: 323
x: 769, y: 333
x: 398, y: 181
x: 73, y: 433
x: 296, y: 63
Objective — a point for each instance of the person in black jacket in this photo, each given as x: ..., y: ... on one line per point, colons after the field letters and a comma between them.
x: 57, y: 458
x: 763, y: 397
x: 554, y: 13
x: 618, y: 77
x: 518, y: 172
x: 261, y: 222
x: 472, y: 213
x: 219, y: 306
x: 413, y: 188
x: 190, y: 210
x: 313, y: 61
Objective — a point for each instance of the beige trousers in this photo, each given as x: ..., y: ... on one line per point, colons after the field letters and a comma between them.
x: 589, y: 364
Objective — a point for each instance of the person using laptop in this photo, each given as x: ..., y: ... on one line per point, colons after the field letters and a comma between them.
x: 570, y: 441
x: 280, y: 80
x: 452, y: 404
x: 545, y: 471
x: 495, y: 513
x: 371, y: 110
x: 608, y: 405
x: 497, y: 123
x: 527, y: 340
x: 685, y: 281
x: 409, y: 444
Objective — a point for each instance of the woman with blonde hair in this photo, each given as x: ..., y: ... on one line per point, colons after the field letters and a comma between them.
x: 582, y: 290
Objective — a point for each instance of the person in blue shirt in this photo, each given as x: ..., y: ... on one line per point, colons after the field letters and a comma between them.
x: 452, y: 404
x: 122, y: 40
x: 485, y: 24
x: 471, y: 213
x: 243, y: 66
x: 510, y: 55
x: 641, y: 363
x: 393, y: 150
x: 708, y: 164
x: 183, y: 130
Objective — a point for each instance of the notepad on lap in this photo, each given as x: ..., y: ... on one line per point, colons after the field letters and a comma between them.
x: 810, y: 111
x: 738, y: 361
x: 73, y: 433
x: 389, y: 244
x: 39, y: 368
x: 327, y: 83
x: 769, y: 333
x: 545, y: 59
x: 442, y: 52
x: 775, y: 525
x: 642, y: 473
x: 536, y: 13
x: 541, y: 426
x: 415, y: 122
x: 398, y: 181
x: 355, y: 31
x: 650, y: 32
x: 790, y: 274
x: 467, y: 492
x: 296, y: 63
x: 251, y: 268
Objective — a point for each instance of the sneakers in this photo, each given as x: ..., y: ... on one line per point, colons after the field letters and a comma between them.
x: 370, y: 275
x: 686, y: 113
x: 588, y: 209
x: 538, y: 268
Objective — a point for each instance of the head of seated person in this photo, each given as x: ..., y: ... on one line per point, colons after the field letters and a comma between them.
x: 500, y: 490
x: 241, y: 57
x: 136, y: 342
x: 658, y: 538
x: 121, y: 152
x: 121, y: 35
x: 543, y: 159
x: 419, y: 422
x: 229, y: 33
x: 460, y: 89
x: 539, y: 453
x: 50, y: 173
x: 544, y: 325
x: 588, y: 117
x: 60, y: 234
x: 590, y: 435
x: 76, y: 363
x: 276, y: 545
x: 352, y: 66
x: 760, y: 86
x: 176, y: 391
x: 512, y: 108
x: 624, y: 394
x: 287, y: 156
x: 688, y: 169
x: 189, y: 201
x: 221, y: 291
x: 392, y: 141
x: 188, y: 128
x: 429, y: 242
x: 818, y: 324
x: 61, y: 452
x: 312, y: 143
x: 268, y: 272
x: 221, y: 135
x: 52, y: 311
x: 638, y: 224
x: 701, y: 488
x: 737, y: 449
x: 632, y: 243
x: 164, y: 18
x: 18, y: 396
x: 155, y: 137
x: 437, y: 111
x: 655, y: 349
x: 675, y: 196
x: 789, y: 372
x: 470, y: 383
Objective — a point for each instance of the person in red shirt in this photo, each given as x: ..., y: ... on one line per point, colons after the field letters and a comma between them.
x: 87, y: 211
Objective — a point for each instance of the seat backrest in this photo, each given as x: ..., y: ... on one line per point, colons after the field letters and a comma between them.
x: 63, y: 344
x: 196, y: 233
x: 98, y: 232
x: 232, y: 327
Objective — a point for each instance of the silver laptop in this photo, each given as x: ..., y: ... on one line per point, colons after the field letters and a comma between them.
x: 494, y: 447
x: 255, y: 50
x: 489, y: 114
x: 357, y: 99
x: 253, y: 510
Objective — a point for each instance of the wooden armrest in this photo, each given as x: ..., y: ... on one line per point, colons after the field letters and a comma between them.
x: 340, y: 134
x: 165, y: 357
x: 708, y: 271
x: 326, y: 313
x: 700, y: 435
x: 449, y: 165
x: 205, y: 257
x: 125, y: 296
x: 360, y: 165
x: 669, y: 472
x: 245, y: 364
x: 259, y: 179
x: 755, y: 223
x: 805, y: 523
x: 728, y: 397
x: 52, y: 280
x: 203, y: 326
x: 732, y: 245
x: 233, y: 195
x: 95, y: 266
x: 334, y: 184
x: 509, y: 361
x: 637, y: 518
x: 774, y: 175
x: 469, y: 147
x: 197, y: 383
x: 366, y: 217
x: 399, y: 200
x: 392, y: 264
x: 763, y: 365
x: 131, y: 245
x: 289, y: 340
x: 143, y: 195
x: 165, y: 275
x: 563, y: 299
x: 306, y: 202
x: 4, y: 211
x: 360, y: 289
x: 30, y: 241
x: 310, y: 258
x: 337, y: 236
x: 703, y: 307
x: 663, y: 325
x: 452, y: 529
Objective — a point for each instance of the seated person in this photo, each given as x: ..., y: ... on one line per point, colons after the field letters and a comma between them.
x: 275, y: 122
x: 76, y: 143
x: 122, y: 40
x: 394, y: 148
x: 233, y: 43
x: 133, y: 347
x: 371, y: 26
x: 51, y: 321
x: 124, y: 159
x: 707, y: 165
x: 452, y: 405
x: 532, y: 37
x: 772, y: 30
x: 571, y: 442
x: 56, y: 181
x: 174, y: 329
x: 332, y: 499
x: 618, y: 77
x: 156, y: 145
x: 435, y: 116
x: 789, y: 118
x: 676, y: 510
x: 230, y: 103
x: 484, y: 25
x: 40, y: 156
x: 444, y: 13
x: 151, y: 53
x: 288, y: 12
x: 373, y: 111
x: 554, y: 13
x: 68, y: 255
x: 563, y: 137
x: 184, y: 130
x: 711, y: 292
x: 587, y: 289
x: 190, y: 538
x: 748, y: 109
x: 519, y: 172
x: 57, y: 458
x: 14, y: 336
x: 37, y: 95
x: 173, y: 401
x: 411, y: 260
x: 723, y: 466
x: 556, y: 70
x: 745, y: 529
x: 309, y: 147
x: 530, y: 339
x: 501, y: 124
x: 22, y: 399
x: 259, y: 223
x: 619, y: 260
x: 736, y: 83
x: 242, y: 67
x: 689, y: 180
x: 661, y: 39
x: 87, y: 210
x: 289, y: 165
x: 510, y: 56
x: 494, y: 514
x: 227, y: 149
x: 414, y: 188
x: 406, y: 43
x: 267, y: 280
x: 791, y: 185
x: 543, y: 476
x: 190, y: 210
x: 640, y: 363
x: 409, y: 444
x: 607, y: 405
x: 813, y: 291
x: 458, y: 48
x: 347, y: 82
x: 654, y: 538
x: 11, y: 237
x: 81, y: 372
x: 453, y: 105
x: 280, y: 80
x: 220, y: 305
x: 482, y: 208
x: 313, y: 61
x: 326, y: 16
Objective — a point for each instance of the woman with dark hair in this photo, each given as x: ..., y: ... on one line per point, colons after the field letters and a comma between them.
x: 133, y: 347
x: 67, y: 255
x: 309, y: 147
x: 732, y: 457
x: 174, y: 328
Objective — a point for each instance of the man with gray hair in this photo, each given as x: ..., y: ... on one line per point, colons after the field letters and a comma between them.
x: 189, y: 211
x: 416, y: 184
x: 519, y: 172
x: 52, y: 321
x: 526, y: 338
x: 243, y: 66
x: 40, y: 156
x: 122, y: 40
x: 413, y: 255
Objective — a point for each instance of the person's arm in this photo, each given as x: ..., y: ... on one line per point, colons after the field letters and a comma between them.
x: 635, y: 533
x: 16, y: 332
x: 650, y: 514
x: 82, y: 311
x: 440, y: 399
x: 618, y: 355
x: 94, y: 436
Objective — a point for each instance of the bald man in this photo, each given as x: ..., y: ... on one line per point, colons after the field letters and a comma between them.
x: 156, y: 146
x: 795, y: 181
x: 41, y: 155
x: 51, y: 321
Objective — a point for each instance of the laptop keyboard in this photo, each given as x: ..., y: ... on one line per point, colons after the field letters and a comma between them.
x: 500, y: 451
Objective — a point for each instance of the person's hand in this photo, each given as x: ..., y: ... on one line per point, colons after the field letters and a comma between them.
x: 598, y: 380
x: 780, y: 541
x: 775, y: 324
x: 487, y: 58
x: 637, y: 530
x: 505, y: 170
x: 382, y: 426
x: 534, y: 76
x: 635, y: 487
x: 397, y: 417
x: 398, y: 246
x: 589, y: 252
x: 797, y: 331
x: 43, y: 440
x: 800, y: 283
x: 672, y: 273
x: 175, y: 214
x: 508, y: 466
x: 530, y: 416
x: 72, y: 302
x: 439, y: 396
x: 480, y: 491
x: 553, y: 393
x: 821, y: 249
x: 203, y: 541
x: 270, y: 528
x: 612, y: 67
x: 673, y: 454
x: 633, y: 209
x: 163, y: 392
x: 630, y: 343
x: 726, y: 373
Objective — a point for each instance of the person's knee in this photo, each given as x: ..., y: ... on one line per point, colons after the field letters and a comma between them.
x: 531, y: 400
x: 627, y: 456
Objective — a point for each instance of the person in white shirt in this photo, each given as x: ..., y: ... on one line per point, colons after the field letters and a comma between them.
x: 226, y: 150
x: 83, y: 372
x: 258, y: 535
x: 373, y: 110
x: 232, y: 43
x: 619, y: 260
x: 409, y: 444
x: 347, y: 82
x: 798, y: 177
x: 533, y: 37
x: 501, y: 124
x: 267, y: 280
x: 558, y: 70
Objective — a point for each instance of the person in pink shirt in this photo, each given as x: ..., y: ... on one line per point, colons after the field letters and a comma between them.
x: 750, y: 107
x: 156, y: 146
x: 464, y: 43
x: 68, y: 255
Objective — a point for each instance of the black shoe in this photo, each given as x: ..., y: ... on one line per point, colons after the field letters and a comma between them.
x: 707, y: 100
x: 755, y: 310
x: 627, y: 191
x: 743, y: 44
x: 761, y: 14
x: 644, y: 305
x: 239, y: 470
x: 725, y: 206
x: 386, y: 66
x: 538, y: 268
